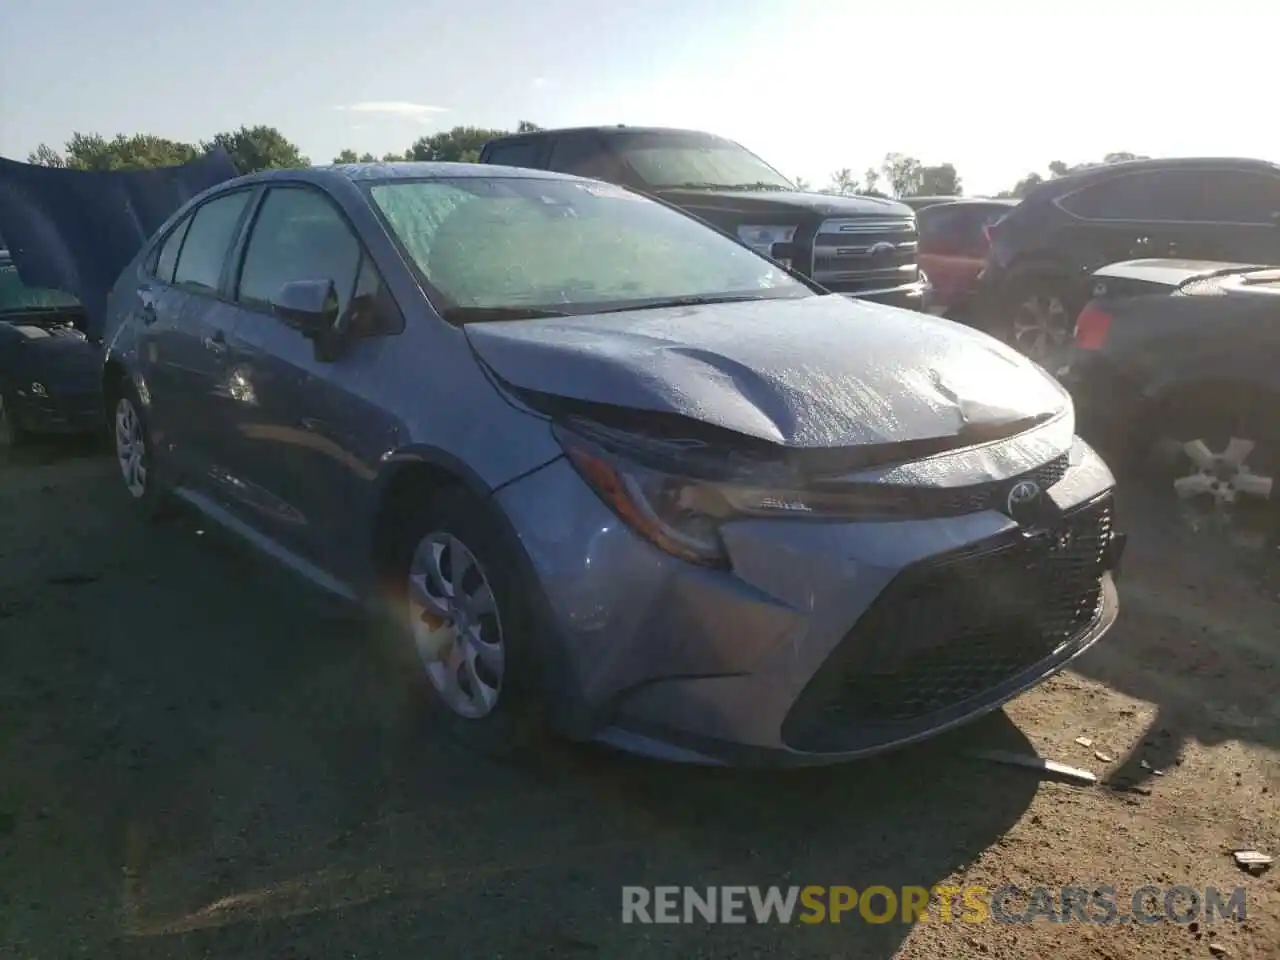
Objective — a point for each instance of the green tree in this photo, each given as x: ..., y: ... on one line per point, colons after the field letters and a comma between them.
x: 939, y: 181
x: 844, y: 182
x: 93, y: 151
x: 902, y: 173
x: 802, y: 184
x: 461, y: 144
x: 258, y: 148
x: 350, y: 156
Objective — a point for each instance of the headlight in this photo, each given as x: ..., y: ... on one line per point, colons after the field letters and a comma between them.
x: 762, y: 238
x: 38, y: 390
x: 682, y: 515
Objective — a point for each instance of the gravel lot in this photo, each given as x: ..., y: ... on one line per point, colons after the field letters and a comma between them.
x: 201, y: 757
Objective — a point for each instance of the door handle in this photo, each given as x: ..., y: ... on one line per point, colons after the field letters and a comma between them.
x: 216, y: 342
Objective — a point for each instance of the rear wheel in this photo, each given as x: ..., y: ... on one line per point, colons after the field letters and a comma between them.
x: 135, y: 452
x: 1038, y: 314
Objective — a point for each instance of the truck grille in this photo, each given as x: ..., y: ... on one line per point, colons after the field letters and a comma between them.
x: 949, y: 637
x: 856, y: 255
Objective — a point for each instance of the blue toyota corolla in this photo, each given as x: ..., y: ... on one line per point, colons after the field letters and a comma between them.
x: 609, y: 467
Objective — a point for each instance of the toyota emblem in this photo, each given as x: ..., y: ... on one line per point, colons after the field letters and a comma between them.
x: 1022, y: 500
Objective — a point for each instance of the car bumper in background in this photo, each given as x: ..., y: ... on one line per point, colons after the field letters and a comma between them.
x: 57, y: 412
x: 911, y: 296
x: 827, y: 641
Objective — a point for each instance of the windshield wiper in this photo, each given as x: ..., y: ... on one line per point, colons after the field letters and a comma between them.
x: 482, y: 314
x: 683, y: 302
x: 709, y: 185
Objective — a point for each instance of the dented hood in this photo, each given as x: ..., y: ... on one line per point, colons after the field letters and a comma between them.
x: 820, y: 371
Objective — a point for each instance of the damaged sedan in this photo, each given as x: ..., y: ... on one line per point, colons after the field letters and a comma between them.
x: 611, y: 470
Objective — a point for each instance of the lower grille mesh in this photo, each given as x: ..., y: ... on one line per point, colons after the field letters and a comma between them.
x: 949, y: 635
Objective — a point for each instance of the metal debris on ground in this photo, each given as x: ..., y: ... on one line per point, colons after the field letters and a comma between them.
x: 1252, y: 861
x: 1150, y: 769
x: 1033, y: 762
x: 1084, y: 741
x: 1104, y: 757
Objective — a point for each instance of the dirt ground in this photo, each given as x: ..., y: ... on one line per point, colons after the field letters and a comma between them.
x: 201, y: 757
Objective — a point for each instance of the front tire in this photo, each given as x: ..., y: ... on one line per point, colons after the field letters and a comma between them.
x: 466, y: 609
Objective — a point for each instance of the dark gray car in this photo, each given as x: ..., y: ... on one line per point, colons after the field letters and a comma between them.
x: 610, y: 466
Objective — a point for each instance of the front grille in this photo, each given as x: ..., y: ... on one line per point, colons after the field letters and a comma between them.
x: 949, y: 636
x: 851, y: 255
x: 990, y: 496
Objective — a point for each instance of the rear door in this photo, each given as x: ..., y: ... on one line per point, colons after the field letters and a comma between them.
x: 1130, y: 217
x: 1236, y: 218
x: 187, y: 344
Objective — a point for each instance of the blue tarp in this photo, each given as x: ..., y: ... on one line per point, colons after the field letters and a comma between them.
x: 75, y: 230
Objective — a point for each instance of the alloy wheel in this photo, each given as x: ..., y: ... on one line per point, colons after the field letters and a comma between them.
x: 131, y: 448
x: 1224, y: 476
x: 1041, y: 326
x: 456, y: 627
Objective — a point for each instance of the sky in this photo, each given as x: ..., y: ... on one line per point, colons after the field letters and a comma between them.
x: 997, y: 88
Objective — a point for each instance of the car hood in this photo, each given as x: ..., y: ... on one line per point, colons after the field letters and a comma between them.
x: 75, y: 230
x: 1167, y: 273
x: 757, y: 202
x: 817, y: 372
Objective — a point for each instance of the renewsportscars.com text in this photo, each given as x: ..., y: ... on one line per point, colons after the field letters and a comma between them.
x: 1096, y: 904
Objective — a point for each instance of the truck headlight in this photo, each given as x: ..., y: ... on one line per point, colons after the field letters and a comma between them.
x: 761, y: 238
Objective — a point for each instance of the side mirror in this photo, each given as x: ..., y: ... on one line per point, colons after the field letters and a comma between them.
x: 309, y: 306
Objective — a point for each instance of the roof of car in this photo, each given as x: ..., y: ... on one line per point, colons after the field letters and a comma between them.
x: 405, y: 170
x: 1105, y: 171
x: 605, y: 130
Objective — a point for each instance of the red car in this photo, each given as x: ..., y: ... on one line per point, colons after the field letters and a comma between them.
x: 953, y: 248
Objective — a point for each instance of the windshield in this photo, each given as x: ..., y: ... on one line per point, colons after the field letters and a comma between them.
x: 17, y: 297
x: 666, y: 160
x: 564, y: 247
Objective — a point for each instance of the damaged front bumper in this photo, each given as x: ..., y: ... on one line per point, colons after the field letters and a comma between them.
x: 796, y: 654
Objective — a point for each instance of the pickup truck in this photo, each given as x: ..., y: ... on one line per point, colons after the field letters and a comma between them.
x: 862, y: 247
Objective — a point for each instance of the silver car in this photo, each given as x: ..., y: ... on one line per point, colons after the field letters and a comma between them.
x: 614, y: 471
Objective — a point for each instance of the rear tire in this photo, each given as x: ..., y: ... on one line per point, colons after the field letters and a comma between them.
x: 466, y: 610
x: 1037, y: 314
x: 134, y: 451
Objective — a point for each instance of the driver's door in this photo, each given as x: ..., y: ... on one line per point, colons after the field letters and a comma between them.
x: 288, y: 473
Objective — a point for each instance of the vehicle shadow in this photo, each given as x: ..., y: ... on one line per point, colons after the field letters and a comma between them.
x: 1197, y: 636
x: 204, y: 758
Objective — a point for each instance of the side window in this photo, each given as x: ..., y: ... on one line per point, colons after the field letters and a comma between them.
x: 941, y: 229
x: 518, y: 154
x: 298, y: 235
x: 168, y: 253
x: 1240, y: 196
x: 204, y: 251
x: 585, y: 156
x: 1152, y: 197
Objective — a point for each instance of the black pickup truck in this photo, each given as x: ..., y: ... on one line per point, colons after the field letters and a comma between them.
x: 862, y: 247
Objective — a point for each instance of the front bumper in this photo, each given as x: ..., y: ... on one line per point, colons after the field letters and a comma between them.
x: 750, y: 667
x: 57, y: 412
x: 910, y: 296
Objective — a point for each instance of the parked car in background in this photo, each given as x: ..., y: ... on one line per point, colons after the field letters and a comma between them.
x: 1043, y: 254
x: 608, y: 465
x: 861, y: 247
x: 49, y: 372
x: 1176, y: 366
x: 953, y: 249
x: 919, y: 203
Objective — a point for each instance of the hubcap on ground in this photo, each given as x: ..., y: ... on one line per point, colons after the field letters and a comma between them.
x: 131, y: 448
x: 1041, y: 325
x: 1223, y: 476
x: 456, y: 629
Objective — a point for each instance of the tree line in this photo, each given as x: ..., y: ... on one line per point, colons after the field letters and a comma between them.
x: 264, y: 148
